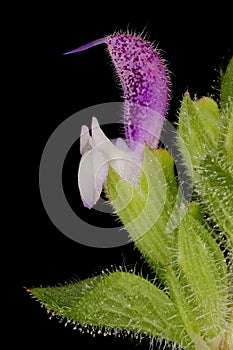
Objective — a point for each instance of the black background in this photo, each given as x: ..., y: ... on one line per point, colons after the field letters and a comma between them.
x: 49, y: 88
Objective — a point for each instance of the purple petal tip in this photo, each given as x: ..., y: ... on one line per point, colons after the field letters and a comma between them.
x: 87, y: 46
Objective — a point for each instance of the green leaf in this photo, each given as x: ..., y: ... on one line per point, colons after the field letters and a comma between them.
x: 226, y: 90
x: 150, y: 213
x: 203, y: 265
x: 208, y: 236
x: 64, y: 297
x: 196, y: 212
x: 225, y: 146
x: 178, y: 296
x: 209, y: 120
x: 229, y: 137
x: 198, y: 130
x: 215, y: 188
x: 119, y: 301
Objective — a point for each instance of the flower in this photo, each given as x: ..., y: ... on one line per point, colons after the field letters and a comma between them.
x: 145, y: 85
x: 97, y: 153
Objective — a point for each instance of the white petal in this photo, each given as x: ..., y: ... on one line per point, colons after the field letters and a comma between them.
x: 103, y: 144
x: 98, y: 135
x: 93, y: 170
x: 85, y: 140
x: 126, y: 163
x: 121, y: 144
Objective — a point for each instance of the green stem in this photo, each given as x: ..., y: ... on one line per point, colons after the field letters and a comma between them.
x: 198, y: 340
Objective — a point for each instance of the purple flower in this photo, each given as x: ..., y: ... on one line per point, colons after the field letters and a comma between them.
x: 145, y: 85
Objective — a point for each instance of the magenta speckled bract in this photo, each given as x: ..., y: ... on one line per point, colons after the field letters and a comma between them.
x: 145, y: 85
x: 141, y: 71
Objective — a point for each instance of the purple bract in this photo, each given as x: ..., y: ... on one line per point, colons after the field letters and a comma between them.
x: 145, y: 83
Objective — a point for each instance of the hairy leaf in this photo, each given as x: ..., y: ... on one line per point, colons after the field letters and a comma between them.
x: 215, y: 188
x: 198, y: 130
x: 226, y: 91
x: 203, y: 265
x: 150, y: 214
x: 119, y: 301
x: 225, y: 144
